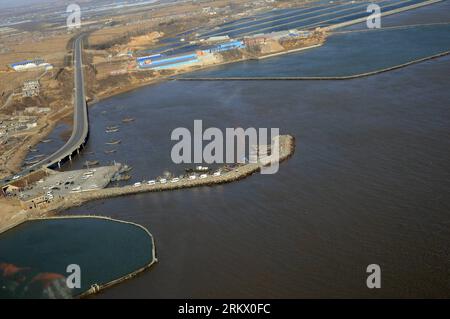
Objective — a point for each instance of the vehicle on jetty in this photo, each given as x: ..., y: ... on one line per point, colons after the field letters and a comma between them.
x: 152, y: 182
x: 128, y: 120
x: 76, y: 189
x: 114, y: 142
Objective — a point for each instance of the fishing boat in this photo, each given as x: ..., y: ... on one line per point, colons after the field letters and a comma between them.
x: 114, y: 127
x: 32, y: 150
x: 110, y: 151
x: 46, y: 141
x: 123, y: 177
x: 91, y: 163
x: 127, y: 120
x: 114, y: 142
x: 111, y: 130
x: 197, y: 169
x: 125, y: 168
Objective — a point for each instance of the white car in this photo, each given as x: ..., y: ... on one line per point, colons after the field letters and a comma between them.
x: 137, y: 184
x: 175, y: 180
x: 217, y: 173
x: 192, y: 177
x: 16, y: 177
x: 203, y: 176
x: 163, y: 180
x: 152, y: 182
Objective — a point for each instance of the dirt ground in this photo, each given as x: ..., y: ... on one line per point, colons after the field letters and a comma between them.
x: 9, y: 208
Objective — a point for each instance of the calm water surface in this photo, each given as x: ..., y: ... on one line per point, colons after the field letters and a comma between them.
x: 369, y: 183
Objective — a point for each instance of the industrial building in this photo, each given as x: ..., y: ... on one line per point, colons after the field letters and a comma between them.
x: 30, y: 64
x: 160, y: 62
x: 232, y: 45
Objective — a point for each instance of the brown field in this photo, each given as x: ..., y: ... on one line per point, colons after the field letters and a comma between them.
x: 51, y: 49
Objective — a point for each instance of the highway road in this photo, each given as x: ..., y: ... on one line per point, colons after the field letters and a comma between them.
x: 80, y: 129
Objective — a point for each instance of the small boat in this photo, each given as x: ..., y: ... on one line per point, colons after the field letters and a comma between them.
x: 119, y: 177
x: 114, y: 142
x: 32, y: 158
x: 125, y: 168
x: 114, y: 127
x: 46, y: 141
x: 91, y: 163
x: 197, y: 169
x: 32, y: 150
x: 110, y: 151
x: 128, y: 120
x: 112, y: 131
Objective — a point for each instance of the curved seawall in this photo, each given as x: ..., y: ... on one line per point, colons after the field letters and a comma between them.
x: 107, y: 251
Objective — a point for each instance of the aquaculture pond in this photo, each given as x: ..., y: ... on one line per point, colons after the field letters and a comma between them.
x: 37, y: 257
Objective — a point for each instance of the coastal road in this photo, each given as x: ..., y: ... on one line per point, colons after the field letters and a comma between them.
x: 80, y: 129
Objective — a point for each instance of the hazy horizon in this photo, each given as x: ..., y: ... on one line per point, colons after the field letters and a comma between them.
x: 6, y: 4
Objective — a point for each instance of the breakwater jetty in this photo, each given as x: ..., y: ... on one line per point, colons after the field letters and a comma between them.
x: 286, y: 149
x: 316, y: 78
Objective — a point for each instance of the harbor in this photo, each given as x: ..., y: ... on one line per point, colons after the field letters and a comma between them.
x: 220, y: 176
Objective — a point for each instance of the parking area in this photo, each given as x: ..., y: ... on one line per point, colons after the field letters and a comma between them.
x: 62, y: 183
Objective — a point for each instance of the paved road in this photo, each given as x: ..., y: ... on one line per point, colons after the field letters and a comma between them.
x: 80, y: 118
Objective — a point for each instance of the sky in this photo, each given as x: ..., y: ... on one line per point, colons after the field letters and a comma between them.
x: 17, y: 3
